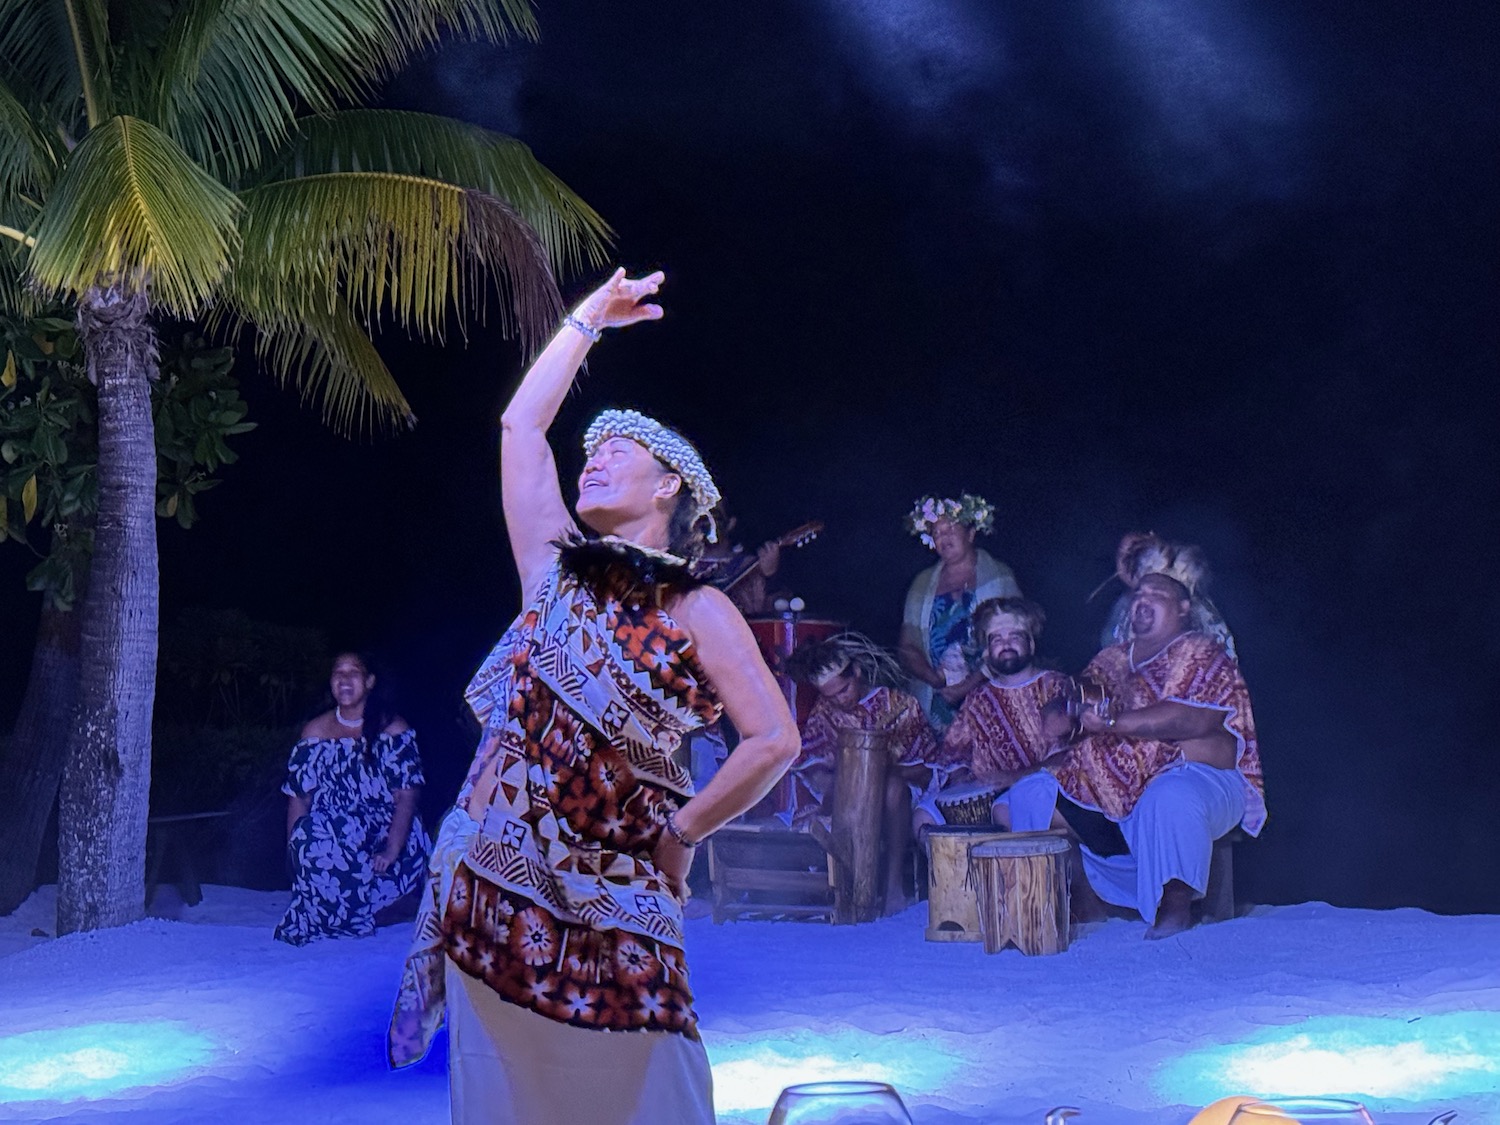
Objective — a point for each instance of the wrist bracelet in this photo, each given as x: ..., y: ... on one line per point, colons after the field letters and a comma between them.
x: 579, y: 325
x: 677, y: 833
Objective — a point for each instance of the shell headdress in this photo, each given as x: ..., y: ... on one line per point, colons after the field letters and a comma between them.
x: 667, y: 445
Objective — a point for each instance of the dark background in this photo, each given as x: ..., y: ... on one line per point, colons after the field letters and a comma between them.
x: 1224, y: 270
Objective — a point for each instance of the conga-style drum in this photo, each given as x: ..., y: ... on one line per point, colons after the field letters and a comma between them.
x: 1022, y: 880
x: 968, y: 804
x: 952, y: 908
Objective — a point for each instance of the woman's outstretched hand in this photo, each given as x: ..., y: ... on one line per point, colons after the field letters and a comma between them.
x: 619, y: 301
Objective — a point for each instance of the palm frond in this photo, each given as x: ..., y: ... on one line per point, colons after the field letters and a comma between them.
x: 37, y: 60
x: 139, y: 28
x: 16, y: 299
x: 327, y: 356
x: 425, y: 21
x: 440, y: 148
x: 88, y: 21
x: 27, y: 159
x: 232, y: 74
x: 412, y: 248
x: 131, y: 208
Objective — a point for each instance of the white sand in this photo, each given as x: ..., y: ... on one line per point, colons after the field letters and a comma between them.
x: 227, y: 1025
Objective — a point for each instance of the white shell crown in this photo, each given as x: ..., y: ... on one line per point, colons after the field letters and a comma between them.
x: 667, y: 445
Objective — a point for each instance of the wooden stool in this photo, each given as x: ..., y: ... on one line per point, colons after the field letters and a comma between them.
x: 1218, y: 901
x: 182, y: 835
x: 767, y: 869
x: 952, y: 908
x: 1022, y: 879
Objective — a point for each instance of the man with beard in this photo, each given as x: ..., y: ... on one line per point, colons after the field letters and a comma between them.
x: 1002, y: 732
x: 1173, y: 759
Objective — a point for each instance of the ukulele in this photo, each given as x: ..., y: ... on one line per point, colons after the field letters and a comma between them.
x: 736, y: 571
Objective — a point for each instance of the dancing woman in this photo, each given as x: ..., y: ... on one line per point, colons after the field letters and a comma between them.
x: 554, y: 914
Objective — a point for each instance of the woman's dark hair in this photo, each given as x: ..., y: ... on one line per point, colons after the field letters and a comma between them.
x: 685, y: 529
x: 380, y: 707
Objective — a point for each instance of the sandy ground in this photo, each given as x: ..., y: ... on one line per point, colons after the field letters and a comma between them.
x: 200, y: 1016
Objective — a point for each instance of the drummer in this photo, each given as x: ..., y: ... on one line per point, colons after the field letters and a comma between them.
x: 1011, y: 723
x: 858, y: 685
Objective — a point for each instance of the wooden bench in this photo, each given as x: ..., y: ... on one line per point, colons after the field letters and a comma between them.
x: 180, y: 836
x: 765, y: 869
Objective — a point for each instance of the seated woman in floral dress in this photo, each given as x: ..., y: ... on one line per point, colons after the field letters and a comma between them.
x: 355, y: 843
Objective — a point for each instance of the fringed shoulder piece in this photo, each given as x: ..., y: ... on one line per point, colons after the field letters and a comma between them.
x: 619, y: 569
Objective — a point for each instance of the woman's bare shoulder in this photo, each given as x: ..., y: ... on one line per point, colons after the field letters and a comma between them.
x: 707, y: 608
x: 320, y: 726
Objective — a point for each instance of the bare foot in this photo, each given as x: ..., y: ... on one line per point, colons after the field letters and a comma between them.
x: 1175, y: 914
x: 1083, y: 904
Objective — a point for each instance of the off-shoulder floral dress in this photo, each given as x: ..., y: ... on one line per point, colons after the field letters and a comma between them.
x: 335, y: 890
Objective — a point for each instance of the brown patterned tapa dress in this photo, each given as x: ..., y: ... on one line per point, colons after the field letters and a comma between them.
x: 549, y: 895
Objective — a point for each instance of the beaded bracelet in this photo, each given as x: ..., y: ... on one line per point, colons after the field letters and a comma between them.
x: 579, y: 325
x: 677, y: 833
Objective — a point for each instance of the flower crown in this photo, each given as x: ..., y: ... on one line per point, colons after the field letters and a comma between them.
x: 968, y: 510
x: 669, y: 446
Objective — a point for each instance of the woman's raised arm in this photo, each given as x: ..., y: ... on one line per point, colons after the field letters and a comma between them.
x: 535, y: 512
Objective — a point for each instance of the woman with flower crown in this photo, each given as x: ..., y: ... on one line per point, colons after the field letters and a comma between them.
x: 936, y: 646
x: 553, y: 916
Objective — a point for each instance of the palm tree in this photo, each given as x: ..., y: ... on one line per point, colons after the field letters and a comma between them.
x: 193, y: 158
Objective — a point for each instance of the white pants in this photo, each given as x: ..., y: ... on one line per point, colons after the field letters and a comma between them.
x: 1171, y: 833
x: 509, y: 1066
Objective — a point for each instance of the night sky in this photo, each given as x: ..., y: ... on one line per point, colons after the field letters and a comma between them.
x: 1224, y: 270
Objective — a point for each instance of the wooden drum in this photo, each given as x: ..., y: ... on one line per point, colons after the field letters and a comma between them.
x: 968, y: 805
x: 864, y: 758
x: 952, y: 907
x: 1022, y: 880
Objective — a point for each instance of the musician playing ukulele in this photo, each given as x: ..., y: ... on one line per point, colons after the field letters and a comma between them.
x: 748, y: 583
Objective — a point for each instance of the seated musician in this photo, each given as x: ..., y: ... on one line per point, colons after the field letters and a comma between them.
x: 1173, y: 759
x: 727, y: 565
x: 857, y: 683
x: 1001, y: 732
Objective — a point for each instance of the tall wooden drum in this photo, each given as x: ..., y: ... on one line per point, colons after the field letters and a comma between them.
x: 864, y: 758
x: 1022, y: 880
x: 952, y: 907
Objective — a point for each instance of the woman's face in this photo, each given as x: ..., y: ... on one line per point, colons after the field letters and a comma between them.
x: 350, y: 682
x: 952, y: 541
x: 624, y: 481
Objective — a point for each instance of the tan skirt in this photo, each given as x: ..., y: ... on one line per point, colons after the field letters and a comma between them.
x: 509, y: 1066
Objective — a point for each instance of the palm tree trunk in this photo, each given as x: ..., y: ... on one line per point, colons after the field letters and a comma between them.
x: 106, y: 784
x: 33, y: 761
